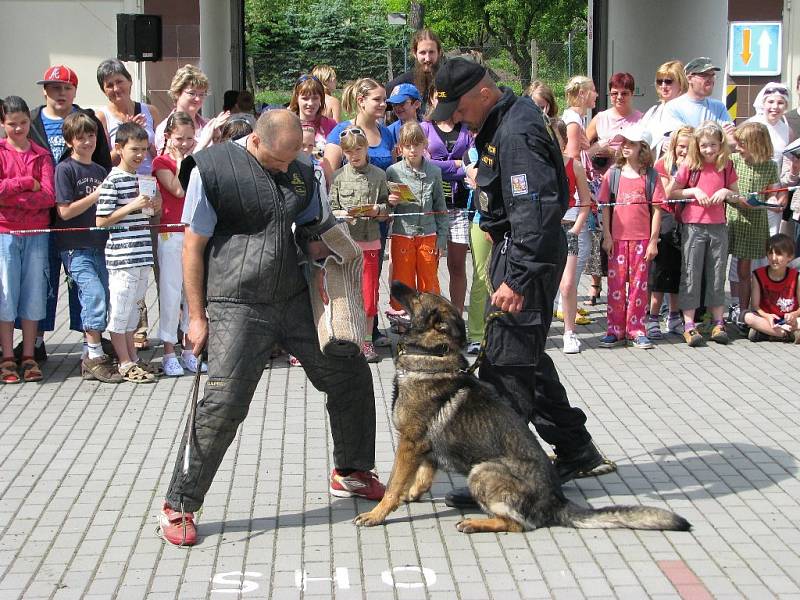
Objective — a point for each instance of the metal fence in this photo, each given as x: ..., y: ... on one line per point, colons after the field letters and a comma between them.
x: 272, y: 75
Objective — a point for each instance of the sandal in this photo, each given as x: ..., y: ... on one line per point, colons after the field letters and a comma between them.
x: 592, y: 300
x: 135, y: 374
x: 8, y: 372
x: 140, y: 341
x: 30, y: 370
x: 150, y: 368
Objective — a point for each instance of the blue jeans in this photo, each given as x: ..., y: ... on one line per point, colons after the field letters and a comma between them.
x: 24, y: 279
x: 87, y: 269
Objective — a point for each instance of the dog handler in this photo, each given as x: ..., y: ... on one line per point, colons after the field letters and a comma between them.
x: 522, y: 197
x: 241, y: 200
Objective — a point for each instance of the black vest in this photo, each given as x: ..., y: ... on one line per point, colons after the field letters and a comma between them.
x: 252, y: 256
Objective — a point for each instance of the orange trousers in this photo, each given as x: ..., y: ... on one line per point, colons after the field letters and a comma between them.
x: 415, y: 263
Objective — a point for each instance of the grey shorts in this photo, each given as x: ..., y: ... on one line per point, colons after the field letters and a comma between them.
x: 572, y: 238
x: 704, y: 249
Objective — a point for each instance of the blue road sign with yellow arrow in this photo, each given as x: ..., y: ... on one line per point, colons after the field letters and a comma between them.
x: 754, y: 48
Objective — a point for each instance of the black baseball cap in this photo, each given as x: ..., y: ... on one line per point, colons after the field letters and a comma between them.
x: 454, y: 79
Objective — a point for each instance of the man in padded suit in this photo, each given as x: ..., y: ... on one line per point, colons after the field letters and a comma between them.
x: 241, y: 265
x: 522, y: 196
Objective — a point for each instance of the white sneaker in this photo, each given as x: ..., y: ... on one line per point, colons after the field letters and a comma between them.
x: 572, y: 345
x: 172, y: 367
x: 190, y: 364
x: 675, y: 325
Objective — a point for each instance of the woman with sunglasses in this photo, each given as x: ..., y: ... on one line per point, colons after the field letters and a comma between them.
x: 670, y: 83
x: 308, y: 102
x: 608, y: 123
x: 188, y: 90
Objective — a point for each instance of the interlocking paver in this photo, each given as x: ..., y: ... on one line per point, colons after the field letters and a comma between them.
x: 83, y: 467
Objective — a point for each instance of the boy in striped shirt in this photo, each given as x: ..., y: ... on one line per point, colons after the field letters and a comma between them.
x: 129, y: 252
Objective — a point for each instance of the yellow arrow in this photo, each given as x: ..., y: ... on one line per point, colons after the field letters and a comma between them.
x: 746, y: 54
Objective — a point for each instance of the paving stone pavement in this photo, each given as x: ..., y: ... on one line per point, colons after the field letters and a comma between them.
x: 711, y: 433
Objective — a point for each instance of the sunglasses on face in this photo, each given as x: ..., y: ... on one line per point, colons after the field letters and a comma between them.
x: 664, y: 81
x: 351, y: 131
x: 303, y: 78
x: 615, y: 94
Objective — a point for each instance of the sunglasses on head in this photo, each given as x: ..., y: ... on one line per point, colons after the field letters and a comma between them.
x: 777, y: 90
x: 351, y: 131
x: 303, y: 78
x: 666, y: 81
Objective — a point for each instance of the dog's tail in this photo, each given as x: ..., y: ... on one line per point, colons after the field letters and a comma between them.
x: 630, y: 517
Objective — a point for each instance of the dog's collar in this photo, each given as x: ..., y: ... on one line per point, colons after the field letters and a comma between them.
x: 404, y: 349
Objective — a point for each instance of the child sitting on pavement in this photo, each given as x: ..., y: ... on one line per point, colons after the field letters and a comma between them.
x: 775, y: 295
x: 78, y: 181
x: 129, y: 253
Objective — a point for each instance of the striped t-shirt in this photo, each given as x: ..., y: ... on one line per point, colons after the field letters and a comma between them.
x: 130, y: 248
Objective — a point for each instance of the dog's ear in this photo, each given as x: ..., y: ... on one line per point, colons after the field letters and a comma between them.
x: 403, y: 294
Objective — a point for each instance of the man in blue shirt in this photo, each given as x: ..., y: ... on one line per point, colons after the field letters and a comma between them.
x: 697, y: 105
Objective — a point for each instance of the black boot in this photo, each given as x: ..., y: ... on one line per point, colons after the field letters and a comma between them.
x: 585, y: 462
x: 460, y: 498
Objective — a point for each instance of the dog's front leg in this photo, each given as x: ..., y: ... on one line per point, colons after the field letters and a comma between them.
x: 422, y: 482
x: 406, y: 463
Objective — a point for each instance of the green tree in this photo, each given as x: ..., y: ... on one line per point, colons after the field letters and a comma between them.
x: 511, y: 24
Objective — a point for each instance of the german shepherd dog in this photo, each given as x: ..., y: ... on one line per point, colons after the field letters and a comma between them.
x: 446, y: 418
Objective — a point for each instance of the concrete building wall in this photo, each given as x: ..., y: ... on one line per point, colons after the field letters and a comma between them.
x: 643, y: 34
x: 40, y: 33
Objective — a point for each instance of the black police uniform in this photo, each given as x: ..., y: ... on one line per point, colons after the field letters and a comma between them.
x: 522, y: 197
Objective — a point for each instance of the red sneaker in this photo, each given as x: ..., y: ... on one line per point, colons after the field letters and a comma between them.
x: 177, y: 528
x: 364, y: 484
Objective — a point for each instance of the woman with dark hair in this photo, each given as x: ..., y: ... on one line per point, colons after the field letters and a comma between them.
x: 608, y: 123
x: 115, y: 81
x: 27, y: 195
x: 426, y: 48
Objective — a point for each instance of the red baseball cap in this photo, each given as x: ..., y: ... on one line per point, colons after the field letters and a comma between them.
x: 59, y: 74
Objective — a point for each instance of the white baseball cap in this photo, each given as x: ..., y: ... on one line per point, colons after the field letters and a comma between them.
x: 634, y: 133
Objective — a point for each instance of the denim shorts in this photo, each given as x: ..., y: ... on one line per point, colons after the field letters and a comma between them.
x: 24, y: 279
x: 87, y: 269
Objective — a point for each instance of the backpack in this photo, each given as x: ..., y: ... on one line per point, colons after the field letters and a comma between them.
x: 613, y: 186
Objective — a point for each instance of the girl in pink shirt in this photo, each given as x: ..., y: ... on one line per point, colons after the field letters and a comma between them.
x: 630, y: 236
x: 707, y: 179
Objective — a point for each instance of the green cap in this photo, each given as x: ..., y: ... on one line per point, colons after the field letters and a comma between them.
x: 701, y: 64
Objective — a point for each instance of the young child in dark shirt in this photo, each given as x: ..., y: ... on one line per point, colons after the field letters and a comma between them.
x: 77, y: 186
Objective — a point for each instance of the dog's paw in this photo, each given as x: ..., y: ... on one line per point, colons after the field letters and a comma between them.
x: 467, y: 526
x: 367, y: 519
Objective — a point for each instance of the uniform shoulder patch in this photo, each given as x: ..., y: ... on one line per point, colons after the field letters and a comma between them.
x: 298, y: 184
x: 519, y: 185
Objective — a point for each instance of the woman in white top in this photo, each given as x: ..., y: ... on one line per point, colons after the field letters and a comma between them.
x: 771, y: 105
x: 670, y: 83
x: 581, y: 97
x: 115, y: 81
